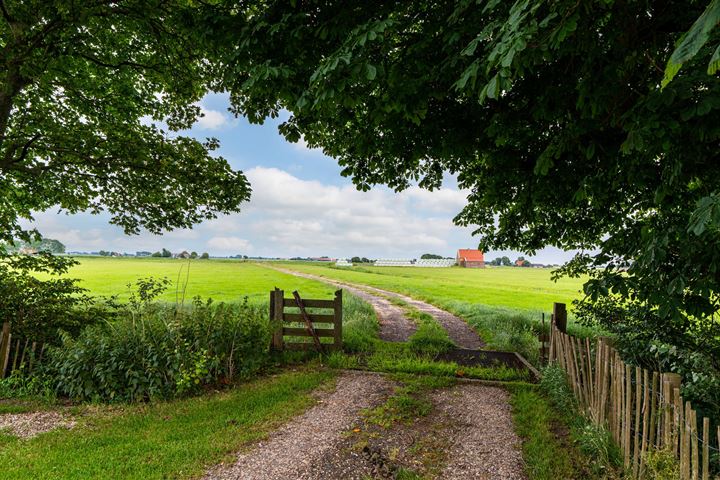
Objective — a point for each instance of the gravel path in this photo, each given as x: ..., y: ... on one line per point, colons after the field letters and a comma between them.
x: 296, y: 450
x: 394, y: 326
x: 484, y: 444
x: 26, y: 425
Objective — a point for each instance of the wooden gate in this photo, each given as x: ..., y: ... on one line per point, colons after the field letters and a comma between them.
x: 17, y: 353
x: 290, y: 328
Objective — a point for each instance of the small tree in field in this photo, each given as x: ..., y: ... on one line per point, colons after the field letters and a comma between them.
x: 204, y: 256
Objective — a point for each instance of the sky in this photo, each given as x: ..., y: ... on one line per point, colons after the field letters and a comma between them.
x: 300, y: 206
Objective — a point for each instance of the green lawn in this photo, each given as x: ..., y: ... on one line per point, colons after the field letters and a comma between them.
x: 222, y: 280
x: 178, y: 439
x: 509, y: 287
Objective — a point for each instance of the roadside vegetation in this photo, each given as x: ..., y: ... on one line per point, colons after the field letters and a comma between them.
x: 175, y: 439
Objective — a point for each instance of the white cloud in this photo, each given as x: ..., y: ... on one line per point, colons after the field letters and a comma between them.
x: 229, y: 244
x: 212, y: 119
x: 443, y: 200
x: 305, y: 217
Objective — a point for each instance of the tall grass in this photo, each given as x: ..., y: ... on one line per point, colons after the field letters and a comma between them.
x: 161, y: 351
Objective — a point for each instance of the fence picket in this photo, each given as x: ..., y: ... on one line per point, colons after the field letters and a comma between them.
x: 649, y: 414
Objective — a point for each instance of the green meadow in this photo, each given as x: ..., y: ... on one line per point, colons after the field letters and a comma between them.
x: 231, y: 280
x: 221, y: 280
x: 508, y: 287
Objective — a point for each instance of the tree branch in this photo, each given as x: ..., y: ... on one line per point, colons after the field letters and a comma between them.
x: 5, y: 12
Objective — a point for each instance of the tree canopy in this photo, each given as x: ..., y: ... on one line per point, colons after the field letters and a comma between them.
x: 552, y: 114
x: 82, y: 86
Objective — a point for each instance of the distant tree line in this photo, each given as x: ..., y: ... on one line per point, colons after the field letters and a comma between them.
x: 360, y: 260
x: 505, y: 262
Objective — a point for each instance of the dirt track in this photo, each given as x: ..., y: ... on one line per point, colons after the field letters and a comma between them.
x: 394, y: 325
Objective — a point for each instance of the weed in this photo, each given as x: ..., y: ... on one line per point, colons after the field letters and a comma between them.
x: 661, y: 465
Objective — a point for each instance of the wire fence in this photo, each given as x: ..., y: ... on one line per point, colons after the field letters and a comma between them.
x: 643, y: 410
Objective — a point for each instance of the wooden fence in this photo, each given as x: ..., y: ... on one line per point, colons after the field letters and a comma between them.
x: 289, y: 328
x: 17, y: 353
x: 643, y: 410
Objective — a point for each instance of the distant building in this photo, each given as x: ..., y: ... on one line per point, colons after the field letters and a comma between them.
x: 519, y: 263
x: 143, y: 254
x: 470, y: 258
x: 183, y: 254
x: 321, y: 259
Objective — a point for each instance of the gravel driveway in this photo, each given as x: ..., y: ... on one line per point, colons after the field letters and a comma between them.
x: 299, y: 448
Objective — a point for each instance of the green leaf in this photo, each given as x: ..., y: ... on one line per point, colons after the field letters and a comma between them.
x: 714, y: 64
x: 693, y: 41
x: 371, y: 72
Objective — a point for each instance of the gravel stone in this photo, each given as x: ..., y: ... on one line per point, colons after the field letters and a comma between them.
x: 26, y: 425
x: 484, y: 444
x: 295, y: 450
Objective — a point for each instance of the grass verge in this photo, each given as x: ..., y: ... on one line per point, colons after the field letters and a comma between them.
x: 177, y: 439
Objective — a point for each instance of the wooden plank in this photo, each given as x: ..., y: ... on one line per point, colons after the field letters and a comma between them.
x: 4, y: 347
x: 314, y: 318
x: 302, y: 332
x: 638, y: 412
x: 290, y: 302
x: 338, y: 311
x: 652, y: 441
x: 308, y: 322
x: 628, y: 413
x: 646, y: 426
x: 706, y: 449
x: 695, y: 467
x: 678, y: 423
x: 6, y: 358
x: 687, y: 433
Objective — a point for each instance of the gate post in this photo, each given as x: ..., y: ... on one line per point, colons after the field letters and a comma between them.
x: 560, y: 316
x: 277, y: 299
x: 338, y: 320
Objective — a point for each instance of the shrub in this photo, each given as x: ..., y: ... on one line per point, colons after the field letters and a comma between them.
x: 40, y: 309
x: 554, y: 385
x: 161, y: 351
x: 661, y: 465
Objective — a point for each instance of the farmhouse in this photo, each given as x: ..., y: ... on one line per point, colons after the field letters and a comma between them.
x: 470, y: 258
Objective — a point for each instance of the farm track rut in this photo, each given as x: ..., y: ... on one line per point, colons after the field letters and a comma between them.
x: 394, y: 324
x: 468, y: 434
x: 306, y: 446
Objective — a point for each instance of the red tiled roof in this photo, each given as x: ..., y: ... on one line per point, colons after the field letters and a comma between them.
x: 471, y: 255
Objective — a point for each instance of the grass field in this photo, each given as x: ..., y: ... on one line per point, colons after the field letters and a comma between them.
x: 509, y: 287
x: 228, y: 280
x: 178, y: 439
x: 222, y: 280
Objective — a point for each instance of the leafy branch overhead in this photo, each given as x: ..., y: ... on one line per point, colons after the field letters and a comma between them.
x: 81, y: 86
x: 693, y: 41
x: 551, y: 114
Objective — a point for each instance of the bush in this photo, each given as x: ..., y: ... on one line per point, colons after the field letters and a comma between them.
x: 40, y: 309
x: 161, y: 351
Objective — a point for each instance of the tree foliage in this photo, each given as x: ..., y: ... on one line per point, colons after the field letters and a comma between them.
x: 551, y: 114
x: 83, y: 86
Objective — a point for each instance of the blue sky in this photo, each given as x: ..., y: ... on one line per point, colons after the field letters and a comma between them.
x: 301, y: 206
